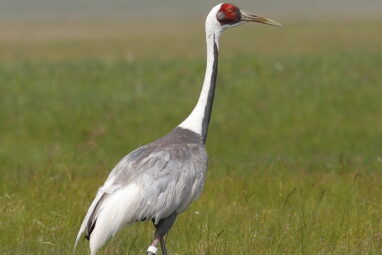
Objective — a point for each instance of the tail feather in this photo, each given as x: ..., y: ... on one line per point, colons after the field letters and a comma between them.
x: 89, y: 221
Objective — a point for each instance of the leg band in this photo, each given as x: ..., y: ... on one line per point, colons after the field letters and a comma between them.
x: 152, y: 249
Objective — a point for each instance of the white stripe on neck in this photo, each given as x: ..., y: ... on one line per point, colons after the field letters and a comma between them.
x: 194, y: 121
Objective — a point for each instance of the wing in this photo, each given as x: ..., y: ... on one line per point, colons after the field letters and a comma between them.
x: 168, y: 178
x: 151, y: 182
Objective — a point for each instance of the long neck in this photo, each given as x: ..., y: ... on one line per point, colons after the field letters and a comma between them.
x: 199, y: 118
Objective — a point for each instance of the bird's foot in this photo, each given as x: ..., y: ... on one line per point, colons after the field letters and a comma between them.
x: 152, y: 250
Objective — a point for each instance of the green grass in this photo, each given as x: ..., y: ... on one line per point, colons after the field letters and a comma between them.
x: 295, y: 141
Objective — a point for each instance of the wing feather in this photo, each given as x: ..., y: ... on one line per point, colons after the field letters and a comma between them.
x: 148, y: 183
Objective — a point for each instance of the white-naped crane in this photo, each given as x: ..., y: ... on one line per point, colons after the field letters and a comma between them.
x: 159, y: 180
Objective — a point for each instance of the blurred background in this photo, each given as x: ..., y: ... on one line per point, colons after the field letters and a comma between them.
x: 171, y: 8
x: 295, y: 142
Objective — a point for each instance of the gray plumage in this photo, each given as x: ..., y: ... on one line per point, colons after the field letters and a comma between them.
x: 169, y: 173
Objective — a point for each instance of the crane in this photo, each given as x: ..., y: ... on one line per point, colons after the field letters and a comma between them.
x: 159, y: 180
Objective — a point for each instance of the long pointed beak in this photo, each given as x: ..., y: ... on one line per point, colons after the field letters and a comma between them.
x: 249, y: 17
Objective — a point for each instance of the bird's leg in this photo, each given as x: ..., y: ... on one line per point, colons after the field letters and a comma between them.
x: 152, y: 250
x: 163, y: 245
x: 161, y: 230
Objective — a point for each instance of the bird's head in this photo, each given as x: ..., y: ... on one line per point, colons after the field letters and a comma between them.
x: 225, y: 15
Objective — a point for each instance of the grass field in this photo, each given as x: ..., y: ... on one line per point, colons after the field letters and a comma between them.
x: 295, y: 141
